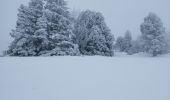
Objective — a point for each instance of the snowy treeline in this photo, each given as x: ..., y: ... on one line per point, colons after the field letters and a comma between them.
x: 153, y: 39
x: 46, y: 28
x: 124, y: 44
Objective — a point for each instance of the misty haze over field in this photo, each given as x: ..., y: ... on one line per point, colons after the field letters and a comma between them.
x: 120, y: 15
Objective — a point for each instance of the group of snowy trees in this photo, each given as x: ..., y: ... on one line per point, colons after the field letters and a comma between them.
x: 124, y: 44
x: 152, y: 41
x: 46, y: 28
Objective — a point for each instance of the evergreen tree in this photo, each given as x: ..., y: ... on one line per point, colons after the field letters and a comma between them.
x: 128, y: 41
x: 55, y: 29
x: 41, y: 36
x: 93, y: 35
x: 153, y: 35
x: 124, y: 44
x: 120, y: 44
x: 23, y: 44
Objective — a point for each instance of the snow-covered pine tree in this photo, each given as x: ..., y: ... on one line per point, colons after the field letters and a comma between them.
x: 128, y: 41
x: 23, y: 43
x: 41, y: 37
x: 93, y: 35
x: 120, y: 44
x: 124, y: 44
x: 153, y: 35
x: 55, y: 29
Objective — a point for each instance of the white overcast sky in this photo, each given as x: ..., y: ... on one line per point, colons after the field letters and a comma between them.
x: 120, y: 15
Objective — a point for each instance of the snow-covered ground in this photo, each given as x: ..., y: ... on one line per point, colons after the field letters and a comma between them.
x: 85, y: 78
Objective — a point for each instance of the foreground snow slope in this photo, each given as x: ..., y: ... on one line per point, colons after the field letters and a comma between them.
x: 85, y: 78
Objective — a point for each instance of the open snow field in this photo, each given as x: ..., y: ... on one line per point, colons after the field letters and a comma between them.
x: 85, y: 78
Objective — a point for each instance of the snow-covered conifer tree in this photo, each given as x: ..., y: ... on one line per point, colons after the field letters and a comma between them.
x: 128, y: 41
x: 124, y: 44
x: 23, y: 43
x: 93, y: 35
x: 153, y: 35
x: 56, y: 28
x: 120, y: 44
